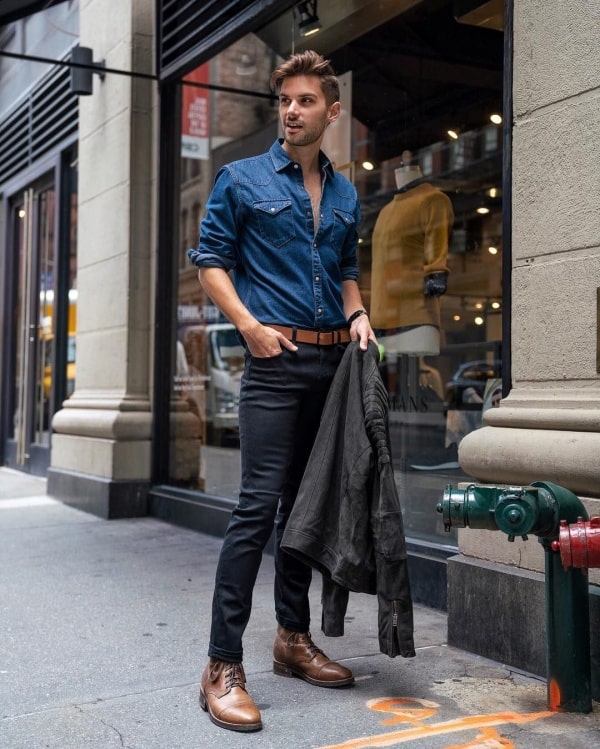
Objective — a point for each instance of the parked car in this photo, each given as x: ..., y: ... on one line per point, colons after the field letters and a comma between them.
x: 471, y: 376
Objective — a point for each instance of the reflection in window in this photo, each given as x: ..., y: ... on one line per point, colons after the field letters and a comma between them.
x: 418, y: 93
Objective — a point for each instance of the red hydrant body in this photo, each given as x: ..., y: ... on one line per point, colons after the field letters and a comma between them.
x: 579, y: 543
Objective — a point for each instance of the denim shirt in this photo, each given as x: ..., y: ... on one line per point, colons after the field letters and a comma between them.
x: 259, y: 224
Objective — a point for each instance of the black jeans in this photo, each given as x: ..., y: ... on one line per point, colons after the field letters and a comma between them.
x: 281, y: 402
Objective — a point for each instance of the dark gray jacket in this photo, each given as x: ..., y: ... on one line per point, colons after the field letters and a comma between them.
x: 346, y: 520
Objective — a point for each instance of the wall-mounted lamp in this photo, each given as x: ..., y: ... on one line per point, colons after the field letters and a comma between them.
x: 82, y: 70
x: 309, y: 20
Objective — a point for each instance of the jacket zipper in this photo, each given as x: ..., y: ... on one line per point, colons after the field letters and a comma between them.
x: 394, y: 644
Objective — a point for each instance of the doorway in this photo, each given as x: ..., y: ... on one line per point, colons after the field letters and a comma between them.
x: 42, y: 298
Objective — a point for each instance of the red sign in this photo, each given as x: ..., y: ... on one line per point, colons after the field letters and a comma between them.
x: 195, y: 115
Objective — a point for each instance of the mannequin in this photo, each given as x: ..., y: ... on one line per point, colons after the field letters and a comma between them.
x: 409, y: 268
x: 406, y: 174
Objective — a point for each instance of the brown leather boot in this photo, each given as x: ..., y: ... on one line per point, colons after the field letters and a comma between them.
x: 223, y: 695
x: 295, y: 654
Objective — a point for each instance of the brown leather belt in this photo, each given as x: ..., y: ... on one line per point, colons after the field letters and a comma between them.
x: 316, y: 337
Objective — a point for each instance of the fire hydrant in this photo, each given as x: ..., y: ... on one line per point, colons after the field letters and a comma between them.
x: 579, y: 543
x: 540, y: 509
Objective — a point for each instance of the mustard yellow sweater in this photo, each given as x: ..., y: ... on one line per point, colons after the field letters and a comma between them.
x: 410, y: 241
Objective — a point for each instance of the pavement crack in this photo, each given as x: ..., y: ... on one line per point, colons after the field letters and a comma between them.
x: 104, y: 723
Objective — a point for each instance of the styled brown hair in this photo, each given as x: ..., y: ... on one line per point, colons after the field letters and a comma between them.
x: 308, y: 63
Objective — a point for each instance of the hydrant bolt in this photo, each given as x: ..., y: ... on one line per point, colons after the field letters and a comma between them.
x: 514, y: 516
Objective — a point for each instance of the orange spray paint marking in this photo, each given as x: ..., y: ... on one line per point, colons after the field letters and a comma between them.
x: 554, y: 696
x: 412, y: 715
x: 422, y: 730
x: 489, y: 738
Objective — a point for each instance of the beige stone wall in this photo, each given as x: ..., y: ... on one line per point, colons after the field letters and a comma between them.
x: 104, y: 428
x: 548, y: 428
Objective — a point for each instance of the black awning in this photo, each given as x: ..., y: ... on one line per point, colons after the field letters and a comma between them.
x: 12, y: 10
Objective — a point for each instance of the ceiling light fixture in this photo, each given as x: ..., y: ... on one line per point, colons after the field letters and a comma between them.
x: 453, y: 134
x: 493, y: 250
x: 483, y: 210
x: 309, y: 20
x: 368, y: 166
x: 496, y: 118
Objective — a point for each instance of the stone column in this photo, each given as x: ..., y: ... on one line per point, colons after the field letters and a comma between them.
x: 548, y: 428
x: 101, y: 449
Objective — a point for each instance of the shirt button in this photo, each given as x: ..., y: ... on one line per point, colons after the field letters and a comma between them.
x: 317, y: 278
x: 295, y: 166
x: 320, y: 311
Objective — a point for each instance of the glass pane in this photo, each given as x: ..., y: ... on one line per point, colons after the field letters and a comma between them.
x: 44, y: 355
x: 70, y: 363
x: 420, y: 136
x: 217, y: 126
x: 19, y: 316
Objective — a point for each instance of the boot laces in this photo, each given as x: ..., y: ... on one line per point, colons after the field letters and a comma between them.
x: 306, y: 639
x: 234, y: 675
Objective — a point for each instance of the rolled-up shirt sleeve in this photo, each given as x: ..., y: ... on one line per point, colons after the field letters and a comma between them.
x: 219, y: 229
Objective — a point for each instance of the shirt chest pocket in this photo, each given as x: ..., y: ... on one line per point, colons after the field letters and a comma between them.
x: 343, y: 226
x: 275, y: 221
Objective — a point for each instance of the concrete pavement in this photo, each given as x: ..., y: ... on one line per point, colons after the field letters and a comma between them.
x: 103, y: 629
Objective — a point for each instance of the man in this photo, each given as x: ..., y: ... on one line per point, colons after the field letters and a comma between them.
x: 285, y: 223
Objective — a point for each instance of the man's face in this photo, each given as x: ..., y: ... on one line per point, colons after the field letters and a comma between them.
x: 304, y: 111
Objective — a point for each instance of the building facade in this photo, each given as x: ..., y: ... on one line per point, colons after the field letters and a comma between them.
x: 125, y: 394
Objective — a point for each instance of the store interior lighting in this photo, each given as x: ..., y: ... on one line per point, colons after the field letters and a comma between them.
x: 309, y: 20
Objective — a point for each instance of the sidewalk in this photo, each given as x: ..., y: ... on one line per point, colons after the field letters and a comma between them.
x: 103, y: 630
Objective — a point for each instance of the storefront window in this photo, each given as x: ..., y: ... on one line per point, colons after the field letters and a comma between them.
x: 421, y: 137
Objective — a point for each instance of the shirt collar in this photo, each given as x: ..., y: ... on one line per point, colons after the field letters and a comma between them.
x: 281, y: 159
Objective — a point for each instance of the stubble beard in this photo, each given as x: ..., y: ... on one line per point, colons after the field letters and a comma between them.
x: 305, y: 136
